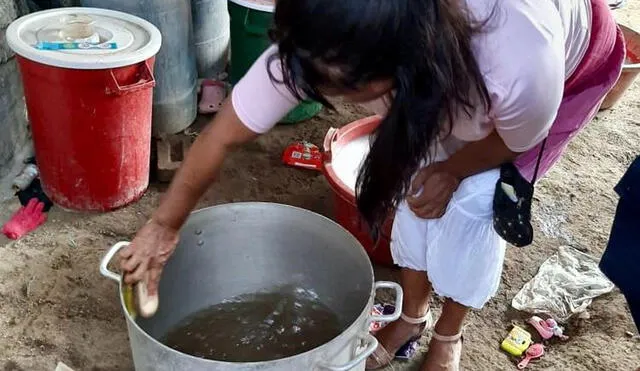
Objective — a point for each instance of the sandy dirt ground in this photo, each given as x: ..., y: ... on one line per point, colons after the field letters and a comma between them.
x: 54, y: 305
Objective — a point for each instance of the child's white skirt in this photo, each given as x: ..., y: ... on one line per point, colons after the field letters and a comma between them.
x: 461, y: 252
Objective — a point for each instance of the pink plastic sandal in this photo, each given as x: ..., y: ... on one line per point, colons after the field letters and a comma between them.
x: 547, y: 328
x: 212, y: 95
x: 542, y: 327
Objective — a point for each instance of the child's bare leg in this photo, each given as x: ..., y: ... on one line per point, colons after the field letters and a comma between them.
x: 417, y: 291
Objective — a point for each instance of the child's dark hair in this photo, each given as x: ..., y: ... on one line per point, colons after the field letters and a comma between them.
x: 423, y: 46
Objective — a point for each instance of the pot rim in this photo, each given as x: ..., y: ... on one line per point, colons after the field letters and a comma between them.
x: 358, y: 322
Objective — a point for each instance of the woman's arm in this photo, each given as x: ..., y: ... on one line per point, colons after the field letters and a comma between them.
x: 201, y: 166
x: 479, y: 156
x: 522, y: 114
x: 145, y: 257
x: 255, y: 106
x: 441, y: 179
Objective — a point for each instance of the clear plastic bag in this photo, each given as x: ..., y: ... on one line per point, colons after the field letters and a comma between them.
x: 565, y: 284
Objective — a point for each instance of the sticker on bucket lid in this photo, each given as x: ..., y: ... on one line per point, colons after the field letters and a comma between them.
x: 70, y: 46
x: 84, y: 38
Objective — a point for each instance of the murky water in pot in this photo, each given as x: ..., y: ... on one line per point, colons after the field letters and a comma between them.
x: 257, y: 327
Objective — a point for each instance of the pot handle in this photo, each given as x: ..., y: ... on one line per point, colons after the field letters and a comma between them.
x: 371, y: 345
x: 104, y: 263
x: 398, y: 304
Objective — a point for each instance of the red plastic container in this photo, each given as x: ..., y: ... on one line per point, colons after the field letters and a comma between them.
x: 346, y: 211
x: 630, y: 68
x: 89, y: 106
x: 91, y: 132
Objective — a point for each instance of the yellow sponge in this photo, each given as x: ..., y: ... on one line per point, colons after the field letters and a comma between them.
x: 138, y: 301
x: 129, y: 303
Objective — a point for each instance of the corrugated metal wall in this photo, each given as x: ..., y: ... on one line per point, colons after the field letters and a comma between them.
x: 14, y: 134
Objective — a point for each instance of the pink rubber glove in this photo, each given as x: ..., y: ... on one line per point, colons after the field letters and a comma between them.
x: 25, y: 220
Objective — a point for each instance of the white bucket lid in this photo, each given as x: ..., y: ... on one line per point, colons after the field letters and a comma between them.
x: 136, y: 39
x: 261, y: 5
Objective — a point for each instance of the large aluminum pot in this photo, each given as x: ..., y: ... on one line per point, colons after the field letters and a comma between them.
x: 243, y: 248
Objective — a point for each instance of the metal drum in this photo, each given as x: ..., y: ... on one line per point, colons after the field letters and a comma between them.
x: 175, y: 95
x: 211, y: 34
x: 14, y: 140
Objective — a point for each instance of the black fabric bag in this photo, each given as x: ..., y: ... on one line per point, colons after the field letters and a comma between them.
x: 512, y: 204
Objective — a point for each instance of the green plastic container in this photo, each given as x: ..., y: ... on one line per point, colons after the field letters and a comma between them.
x: 250, y: 23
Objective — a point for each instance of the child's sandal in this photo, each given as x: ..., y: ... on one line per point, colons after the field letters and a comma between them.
x: 453, y: 364
x: 381, y: 357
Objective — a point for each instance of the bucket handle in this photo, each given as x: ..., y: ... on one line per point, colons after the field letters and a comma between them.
x: 104, y: 263
x: 252, y: 29
x: 332, y: 136
x: 146, y: 81
x: 370, y: 347
x: 398, y: 304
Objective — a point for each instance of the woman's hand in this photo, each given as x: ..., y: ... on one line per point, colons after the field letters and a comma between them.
x: 431, y: 191
x: 144, y: 259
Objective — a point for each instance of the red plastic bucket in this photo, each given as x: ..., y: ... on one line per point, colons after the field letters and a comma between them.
x: 346, y: 211
x: 630, y: 68
x: 91, y: 132
x: 90, y: 110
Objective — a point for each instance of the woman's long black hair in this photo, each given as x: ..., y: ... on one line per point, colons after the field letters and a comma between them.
x: 423, y: 46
